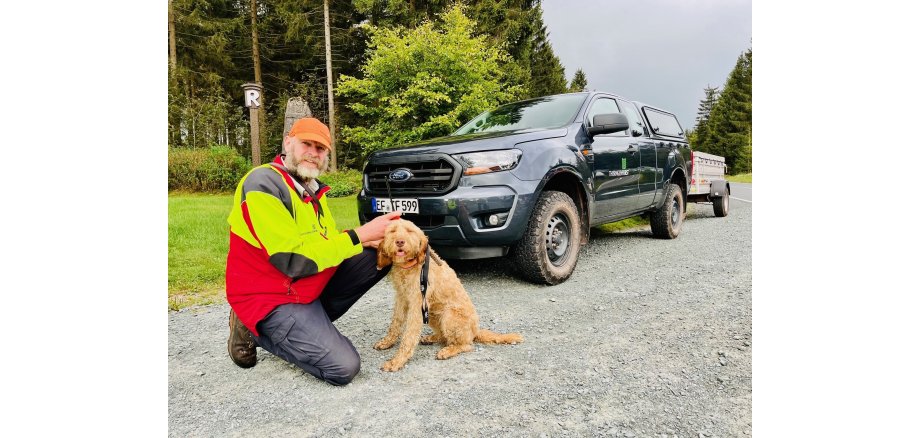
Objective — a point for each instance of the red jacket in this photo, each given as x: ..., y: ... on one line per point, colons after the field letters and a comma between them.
x: 284, y: 245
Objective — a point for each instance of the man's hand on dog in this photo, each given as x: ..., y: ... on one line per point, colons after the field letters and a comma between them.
x: 371, y: 233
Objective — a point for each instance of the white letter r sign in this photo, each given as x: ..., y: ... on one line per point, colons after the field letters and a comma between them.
x: 252, y: 98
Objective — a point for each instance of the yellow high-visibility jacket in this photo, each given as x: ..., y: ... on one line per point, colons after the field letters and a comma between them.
x: 284, y: 245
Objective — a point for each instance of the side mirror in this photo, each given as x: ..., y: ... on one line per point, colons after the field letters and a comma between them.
x: 608, y: 123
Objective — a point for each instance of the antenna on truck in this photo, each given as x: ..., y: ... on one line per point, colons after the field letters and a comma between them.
x: 386, y: 180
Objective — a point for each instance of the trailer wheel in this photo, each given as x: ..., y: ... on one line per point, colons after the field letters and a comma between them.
x: 720, y: 205
x: 667, y: 220
x: 548, y: 252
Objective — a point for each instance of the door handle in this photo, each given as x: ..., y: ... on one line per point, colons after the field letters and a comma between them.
x: 631, y: 149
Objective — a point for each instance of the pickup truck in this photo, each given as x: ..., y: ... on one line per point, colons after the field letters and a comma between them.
x: 529, y: 179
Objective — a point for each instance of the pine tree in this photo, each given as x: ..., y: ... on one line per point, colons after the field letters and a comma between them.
x: 547, y: 75
x: 711, y: 96
x: 512, y: 26
x: 699, y: 136
x: 728, y: 129
x: 579, y: 82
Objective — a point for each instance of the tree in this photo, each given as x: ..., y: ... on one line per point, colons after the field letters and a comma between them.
x: 547, y: 75
x: 424, y: 82
x: 206, y: 34
x: 393, y: 13
x: 711, y: 95
x: 515, y: 26
x: 292, y: 39
x: 728, y: 129
x: 699, y: 136
x: 579, y: 82
x: 511, y: 25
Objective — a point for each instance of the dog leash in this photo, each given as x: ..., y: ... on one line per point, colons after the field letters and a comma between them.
x: 423, y: 278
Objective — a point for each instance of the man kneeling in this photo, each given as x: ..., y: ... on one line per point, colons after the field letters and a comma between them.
x: 290, y: 272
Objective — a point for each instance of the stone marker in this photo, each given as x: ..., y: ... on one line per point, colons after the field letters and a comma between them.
x: 297, y: 108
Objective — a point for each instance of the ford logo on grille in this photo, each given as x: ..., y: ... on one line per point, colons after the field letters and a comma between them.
x: 400, y: 175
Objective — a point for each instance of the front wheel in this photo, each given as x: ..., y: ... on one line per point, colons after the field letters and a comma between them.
x: 549, y: 249
x: 667, y: 220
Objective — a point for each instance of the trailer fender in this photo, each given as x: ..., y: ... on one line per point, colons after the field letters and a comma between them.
x: 718, y: 188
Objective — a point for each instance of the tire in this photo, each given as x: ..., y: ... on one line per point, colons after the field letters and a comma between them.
x: 667, y: 220
x: 548, y: 251
x: 720, y: 206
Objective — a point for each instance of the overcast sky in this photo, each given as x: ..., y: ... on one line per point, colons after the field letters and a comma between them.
x: 660, y: 52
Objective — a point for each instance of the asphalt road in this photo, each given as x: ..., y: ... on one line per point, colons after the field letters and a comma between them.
x: 742, y: 192
x: 649, y: 337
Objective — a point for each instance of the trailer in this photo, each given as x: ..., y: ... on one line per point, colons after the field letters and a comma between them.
x: 707, y: 182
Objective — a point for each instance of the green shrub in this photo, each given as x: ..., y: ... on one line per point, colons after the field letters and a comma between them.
x: 220, y: 168
x: 215, y: 169
x: 345, y: 182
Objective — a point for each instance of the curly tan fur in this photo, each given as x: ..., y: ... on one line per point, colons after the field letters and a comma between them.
x: 452, y: 316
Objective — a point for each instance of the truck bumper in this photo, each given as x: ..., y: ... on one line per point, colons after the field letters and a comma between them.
x: 456, y: 223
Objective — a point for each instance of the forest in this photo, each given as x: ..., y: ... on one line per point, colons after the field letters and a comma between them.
x: 400, y: 71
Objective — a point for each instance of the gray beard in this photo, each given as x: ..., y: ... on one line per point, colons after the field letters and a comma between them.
x: 306, y: 174
x: 303, y: 173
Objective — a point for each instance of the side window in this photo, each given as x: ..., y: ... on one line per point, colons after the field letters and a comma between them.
x: 602, y: 106
x: 663, y: 123
x: 635, y: 122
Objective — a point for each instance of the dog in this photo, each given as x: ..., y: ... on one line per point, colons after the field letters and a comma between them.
x: 453, y: 318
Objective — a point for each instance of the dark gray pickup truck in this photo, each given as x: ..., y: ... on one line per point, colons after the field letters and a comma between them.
x: 528, y: 179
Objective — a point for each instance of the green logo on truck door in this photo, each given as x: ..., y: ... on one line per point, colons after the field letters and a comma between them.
x: 623, y: 163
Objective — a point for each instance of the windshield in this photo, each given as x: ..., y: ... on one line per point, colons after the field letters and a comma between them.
x: 540, y: 113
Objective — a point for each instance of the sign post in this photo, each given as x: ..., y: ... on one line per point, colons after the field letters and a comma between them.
x: 252, y: 97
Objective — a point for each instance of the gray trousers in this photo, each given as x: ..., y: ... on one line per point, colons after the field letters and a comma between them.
x: 303, y: 334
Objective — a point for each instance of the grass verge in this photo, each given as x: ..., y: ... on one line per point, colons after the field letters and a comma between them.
x: 741, y: 177
x: 199, y: 239
x: 623, y: 225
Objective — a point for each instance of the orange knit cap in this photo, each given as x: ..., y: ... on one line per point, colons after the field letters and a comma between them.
x: 309, y: 128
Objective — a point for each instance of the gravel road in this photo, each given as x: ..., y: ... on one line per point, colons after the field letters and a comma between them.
x: 648, y: 338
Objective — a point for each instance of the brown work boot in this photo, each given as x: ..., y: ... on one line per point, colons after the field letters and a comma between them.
x: 240, y: 345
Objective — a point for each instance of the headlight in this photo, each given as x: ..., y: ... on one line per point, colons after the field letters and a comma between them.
x: 489, y: 161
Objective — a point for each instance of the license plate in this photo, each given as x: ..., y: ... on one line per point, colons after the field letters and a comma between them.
x: 386, y: 205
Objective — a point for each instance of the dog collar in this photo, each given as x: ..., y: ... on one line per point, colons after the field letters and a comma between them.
x: 411, y: 266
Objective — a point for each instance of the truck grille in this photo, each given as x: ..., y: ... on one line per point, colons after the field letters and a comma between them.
x: 430, y: 175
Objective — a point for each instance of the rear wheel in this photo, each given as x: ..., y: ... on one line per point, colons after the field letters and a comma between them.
x: 720, y: 205
x: 549, y: 249
x: 667, y: 220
